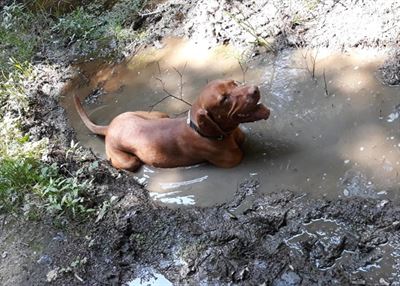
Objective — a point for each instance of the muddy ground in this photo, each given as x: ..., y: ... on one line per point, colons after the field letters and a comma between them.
x: 254, y: 239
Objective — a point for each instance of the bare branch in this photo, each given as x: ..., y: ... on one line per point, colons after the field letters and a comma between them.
x: 181, y: 79
x: 326, y: 84
x: 158, y: 102
x: 159, y: 68
x: 169, y: 94
x: 244, y: 70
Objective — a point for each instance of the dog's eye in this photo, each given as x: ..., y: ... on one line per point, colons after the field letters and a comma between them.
x: 222, y: 98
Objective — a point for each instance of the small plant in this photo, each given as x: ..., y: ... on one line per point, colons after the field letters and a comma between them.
x: 61, y: 194
x: 311, y: 5
x: 79, y: 24
x: 15, y: 34
x: 94, y: 24
x: 12, y: 90
x: 248, y: 27
x: 53, y: 192
x: 22, y: 174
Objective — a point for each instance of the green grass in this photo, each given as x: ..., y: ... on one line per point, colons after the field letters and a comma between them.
x: 249, y: 28
x: 25, y: 181
x: 46, y: 189
x: 16, y: 37
x: 23, y: 32
x: 91, y: 26
x: 27, y: 184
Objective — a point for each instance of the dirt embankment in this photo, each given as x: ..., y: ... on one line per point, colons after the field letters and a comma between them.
x: 277, y: 239
x: 254, y: 239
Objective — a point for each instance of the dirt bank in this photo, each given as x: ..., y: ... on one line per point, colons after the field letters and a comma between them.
x: 276, y: 239
x: 335, y: 24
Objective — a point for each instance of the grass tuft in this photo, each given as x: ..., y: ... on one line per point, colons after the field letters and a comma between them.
x: 47, y: 190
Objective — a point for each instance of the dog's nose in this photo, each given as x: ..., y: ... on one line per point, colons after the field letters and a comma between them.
x: 254, y: 91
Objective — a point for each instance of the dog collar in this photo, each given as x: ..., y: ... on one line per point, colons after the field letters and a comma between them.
x: 193, y: 125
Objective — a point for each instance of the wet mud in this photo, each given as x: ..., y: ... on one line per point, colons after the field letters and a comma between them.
x: 276, y: 239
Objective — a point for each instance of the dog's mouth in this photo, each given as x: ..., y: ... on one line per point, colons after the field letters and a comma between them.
x: 255, y: 112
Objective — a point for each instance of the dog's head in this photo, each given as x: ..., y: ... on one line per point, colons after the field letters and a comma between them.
x: 224, y: 104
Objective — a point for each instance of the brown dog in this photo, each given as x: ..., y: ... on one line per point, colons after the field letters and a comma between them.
x: 210, y: 132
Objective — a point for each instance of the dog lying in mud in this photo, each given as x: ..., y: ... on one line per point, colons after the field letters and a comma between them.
x: 209, y: 133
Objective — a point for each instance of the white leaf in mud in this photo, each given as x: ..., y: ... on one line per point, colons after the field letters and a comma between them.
x: 52, y: 275
x: 392, y: 116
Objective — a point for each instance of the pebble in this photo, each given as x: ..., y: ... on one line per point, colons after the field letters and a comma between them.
x: 383, y: 282
x: 52, y: 275
x: 45, y: 260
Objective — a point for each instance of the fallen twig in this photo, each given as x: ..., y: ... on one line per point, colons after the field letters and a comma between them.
x: 181, y: 79
x: 244, y: 70
x: 326, y: 84
x: 313, y: 61
x: 169, y: 94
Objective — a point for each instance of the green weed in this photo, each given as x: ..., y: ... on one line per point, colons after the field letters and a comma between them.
x: 249, y: 28
x: 311, y: 5
x: 47, y: 190
x: 79, y: 24
x: 28, y: 184
x: 16, y: 39
x: 91, y: 26
x: 25, y: 181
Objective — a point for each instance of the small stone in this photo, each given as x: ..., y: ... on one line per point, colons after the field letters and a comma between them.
x: 4, y: 254
x: 383, y: 203
x: 289, y: 278
x: 52, y: 275
x: 46, y: 89
x: 346, y: 192
x: 45, y: 260
x: 60, y: 237
x: 383, y: 282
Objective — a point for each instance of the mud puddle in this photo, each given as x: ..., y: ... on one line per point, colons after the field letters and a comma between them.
x: 334, y: 134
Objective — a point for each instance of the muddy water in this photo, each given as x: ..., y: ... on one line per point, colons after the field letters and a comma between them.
x: 334, y: 134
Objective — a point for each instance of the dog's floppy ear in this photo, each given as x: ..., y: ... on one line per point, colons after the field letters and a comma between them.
x: 206, y: 124
x: 202, y: 119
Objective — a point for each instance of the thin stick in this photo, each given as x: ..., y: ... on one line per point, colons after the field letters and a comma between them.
x: 314, y: 60
x: 158, y: 102
x: 159, y: 68
x: 181, y: 79
x: 326, y: 84
x: 169, y: 94
x: 244, y: 70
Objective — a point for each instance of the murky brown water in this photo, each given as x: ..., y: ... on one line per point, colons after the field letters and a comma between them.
x: 343, y: 142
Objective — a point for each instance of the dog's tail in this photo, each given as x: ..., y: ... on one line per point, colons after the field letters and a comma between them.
x: 97, y: 129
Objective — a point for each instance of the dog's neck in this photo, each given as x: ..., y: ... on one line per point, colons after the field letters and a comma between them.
x: 221, y: 136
